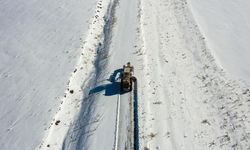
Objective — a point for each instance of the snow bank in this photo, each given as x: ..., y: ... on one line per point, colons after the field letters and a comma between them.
x: 39, y: 44
x: 226, y: 26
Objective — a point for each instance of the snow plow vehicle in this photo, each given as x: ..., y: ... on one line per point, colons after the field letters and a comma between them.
x: 127, y: 78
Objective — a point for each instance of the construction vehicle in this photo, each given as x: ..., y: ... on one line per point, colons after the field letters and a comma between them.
x: 127, y: 78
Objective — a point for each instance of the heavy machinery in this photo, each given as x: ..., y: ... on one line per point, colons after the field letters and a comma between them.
x: 127, y: 78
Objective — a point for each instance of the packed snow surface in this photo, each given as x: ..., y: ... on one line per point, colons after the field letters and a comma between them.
x: 61, y: 63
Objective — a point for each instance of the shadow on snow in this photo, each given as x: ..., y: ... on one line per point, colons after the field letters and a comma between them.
x: 112, y: 88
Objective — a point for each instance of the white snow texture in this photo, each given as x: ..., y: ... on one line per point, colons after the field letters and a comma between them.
x: 61, y: 62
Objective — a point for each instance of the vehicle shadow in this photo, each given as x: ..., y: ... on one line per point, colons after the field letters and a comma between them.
x: 113, y: 87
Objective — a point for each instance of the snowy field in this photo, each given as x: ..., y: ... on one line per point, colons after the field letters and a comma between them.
x: 60, y: 63
x: 39, y: 46
x: 226, y: 26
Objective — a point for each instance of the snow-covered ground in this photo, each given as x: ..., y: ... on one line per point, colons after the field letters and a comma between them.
x: 188, y: 101
x: 39, y: 46
x: 226, y: 26
x: 60, y: 67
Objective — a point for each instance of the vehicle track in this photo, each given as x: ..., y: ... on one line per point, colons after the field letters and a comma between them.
x: 124, y: 122
x: 136, y: 141
x: 133, y: 126
x: 117, y: 122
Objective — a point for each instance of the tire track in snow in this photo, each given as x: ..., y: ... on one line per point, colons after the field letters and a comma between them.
x: 136, y: 117
x: 117, y: 123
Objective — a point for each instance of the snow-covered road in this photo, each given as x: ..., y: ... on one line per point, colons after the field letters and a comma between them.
x: 95, y: 124
x: 185, y: 99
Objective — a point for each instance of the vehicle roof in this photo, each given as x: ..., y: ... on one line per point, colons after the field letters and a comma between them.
x: 127, y: 69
